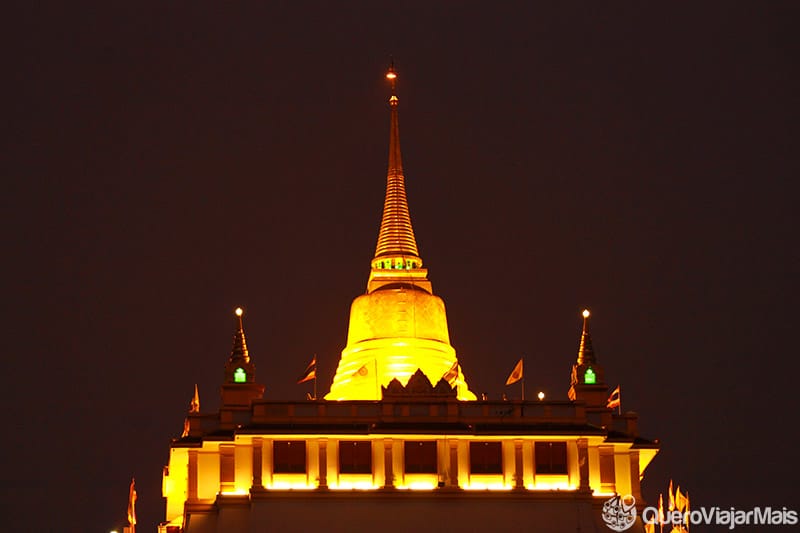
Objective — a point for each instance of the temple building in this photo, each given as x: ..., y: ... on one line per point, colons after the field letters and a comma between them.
x: 400, y: 443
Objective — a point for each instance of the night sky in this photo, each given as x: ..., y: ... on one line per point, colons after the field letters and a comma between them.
x: 163, y: 163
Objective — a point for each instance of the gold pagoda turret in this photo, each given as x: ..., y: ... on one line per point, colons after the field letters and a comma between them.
x: 587, y: 382
x: 399, y: 325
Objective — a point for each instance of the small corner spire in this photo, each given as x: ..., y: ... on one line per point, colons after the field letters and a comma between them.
x: 585, y: 351
x: 194, y: 405
x: 239, y: 350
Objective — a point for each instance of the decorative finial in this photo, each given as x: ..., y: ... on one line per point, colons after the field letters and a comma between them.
x: 391, y: 75
x: 586, y: 315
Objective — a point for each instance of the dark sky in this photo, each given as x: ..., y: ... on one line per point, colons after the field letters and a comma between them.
x: 163, y: 163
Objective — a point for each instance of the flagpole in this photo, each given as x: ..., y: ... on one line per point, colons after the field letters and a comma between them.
x: 619, y: 405
x: 315, y: 377
x: 523, y: 377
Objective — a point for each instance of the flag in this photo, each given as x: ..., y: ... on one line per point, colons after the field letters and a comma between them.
x: 516, y: 374
x: 361, y: 371
x: 194, y: 405
x: 452, y: 374
x: 614, y: 399
x: 310, y: 372
x: 132, y: 503
x: 661, y: 519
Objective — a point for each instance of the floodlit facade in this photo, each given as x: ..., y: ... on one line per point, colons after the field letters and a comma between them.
x: 400, y: 443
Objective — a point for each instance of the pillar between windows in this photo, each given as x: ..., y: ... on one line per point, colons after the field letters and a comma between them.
x: 322, y: 473
x: 388, y: 470
x: 636, y: 484
x: 519, y: 483
x: 267, y: 468
x: 227, y: 468
x: 453, y: 463
x: 583, y: 464
x: 257, y: 463
x: 191, y: 490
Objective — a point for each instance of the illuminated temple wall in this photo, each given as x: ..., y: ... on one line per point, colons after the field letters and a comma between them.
x: 230, y: 484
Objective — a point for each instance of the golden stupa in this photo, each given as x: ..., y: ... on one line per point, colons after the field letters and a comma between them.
x: 399, y: 325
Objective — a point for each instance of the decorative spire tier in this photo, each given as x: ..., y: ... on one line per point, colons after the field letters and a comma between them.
x: 397, y: 247
x: 399, y: 326
x: 587, y: 379
x: 240, y: 386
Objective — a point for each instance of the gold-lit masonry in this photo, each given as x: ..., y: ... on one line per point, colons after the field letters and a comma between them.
x: 399, y: 325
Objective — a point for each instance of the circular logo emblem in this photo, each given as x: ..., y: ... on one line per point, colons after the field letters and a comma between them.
x: 619, y: 512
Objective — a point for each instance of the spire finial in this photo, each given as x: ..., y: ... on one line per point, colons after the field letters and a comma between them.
x: 397, y: 247
x: 239, y: 350
x: 585, y: 351
x: 391, y: 75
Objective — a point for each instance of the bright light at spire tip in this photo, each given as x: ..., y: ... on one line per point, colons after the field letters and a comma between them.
x: 391, y: 75
x: 585, y: 313
x: 239, y: 311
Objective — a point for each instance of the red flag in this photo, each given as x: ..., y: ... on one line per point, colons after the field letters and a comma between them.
x: 516, y: 374
x: 614, y: 399
x: 310, y: 371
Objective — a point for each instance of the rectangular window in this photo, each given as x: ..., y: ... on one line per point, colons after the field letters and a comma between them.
x: 355, y: 457
x: 289, y: 456
x: 420, y: 457
x: 551, y: 457
x: 485, y: 458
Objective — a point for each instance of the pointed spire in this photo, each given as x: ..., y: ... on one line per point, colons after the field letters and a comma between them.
x: 585, y: 351
x: 396, y: 240
x: 239, y: 350
x: 194, y: 405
